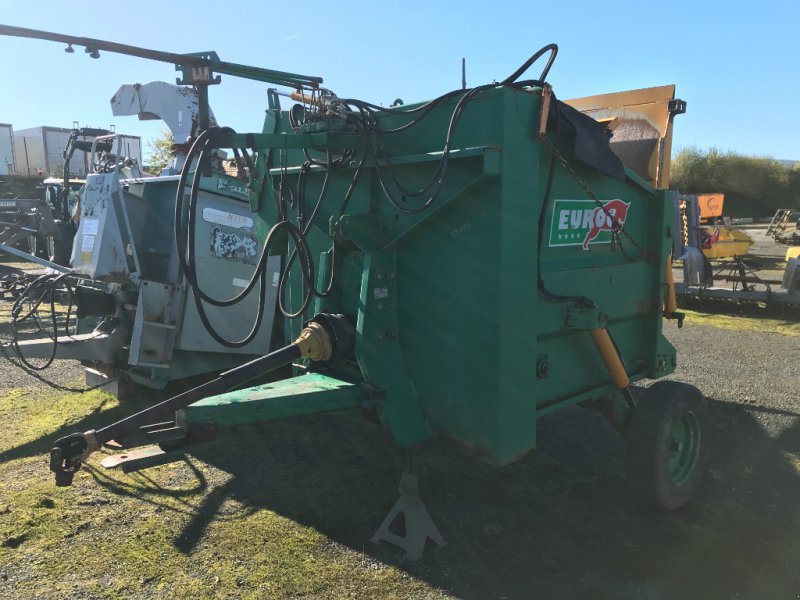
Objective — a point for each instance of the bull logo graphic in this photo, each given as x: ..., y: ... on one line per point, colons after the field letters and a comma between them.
x: 612, y: 214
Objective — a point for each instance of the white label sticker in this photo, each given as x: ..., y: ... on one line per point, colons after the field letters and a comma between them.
x: 90, y: 226
x: 276, y: 278
x: 237, y: 187
x: 242, y: 283
x: 87, y: 243
x: 229, y: 219
x: 8, y: 203
x: 381, y: 293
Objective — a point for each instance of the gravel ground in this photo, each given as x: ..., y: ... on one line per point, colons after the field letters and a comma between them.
x: 758, y: 372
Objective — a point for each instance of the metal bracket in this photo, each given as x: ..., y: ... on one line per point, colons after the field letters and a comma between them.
x: 157, y: 444
x: 676, y: 107
x: 679, y: 316
x: 544, y: 112
x: 142, y: 458
x: 583, y: 318
x: 150, y: 434
x: 198, y: 74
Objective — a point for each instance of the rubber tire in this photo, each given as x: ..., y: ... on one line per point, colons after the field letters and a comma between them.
x: 648, y: 441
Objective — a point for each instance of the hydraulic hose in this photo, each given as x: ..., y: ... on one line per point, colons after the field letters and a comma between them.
x: 185, y: 239
x: 365, y: 122
x: 48, y: 284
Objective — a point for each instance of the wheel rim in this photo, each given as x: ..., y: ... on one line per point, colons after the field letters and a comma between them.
x: 684, y: 448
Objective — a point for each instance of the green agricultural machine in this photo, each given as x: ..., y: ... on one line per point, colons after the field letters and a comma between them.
x: 458, y: 268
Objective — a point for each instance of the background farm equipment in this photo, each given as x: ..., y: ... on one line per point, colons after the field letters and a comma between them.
x: 784, y: 230
x: 44, y: 151
x: 733, y: 277
x: 456, y: 268
x: 46, y: 222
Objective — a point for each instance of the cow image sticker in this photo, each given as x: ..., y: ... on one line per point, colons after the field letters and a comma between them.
x: 582, y: 222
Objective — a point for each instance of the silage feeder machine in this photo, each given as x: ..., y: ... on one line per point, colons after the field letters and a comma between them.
x: 459, y: 268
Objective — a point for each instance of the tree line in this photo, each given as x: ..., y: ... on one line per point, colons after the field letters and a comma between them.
x: 753, y: 186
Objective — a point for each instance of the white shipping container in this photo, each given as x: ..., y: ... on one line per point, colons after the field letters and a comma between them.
x: 39, y: 151
x: 7, y: 166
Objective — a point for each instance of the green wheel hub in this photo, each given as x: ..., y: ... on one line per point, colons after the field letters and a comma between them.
x: 684, y: 448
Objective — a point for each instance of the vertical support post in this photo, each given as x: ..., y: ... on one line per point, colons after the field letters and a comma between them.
x: 202, y: 98
x: 27, y: 162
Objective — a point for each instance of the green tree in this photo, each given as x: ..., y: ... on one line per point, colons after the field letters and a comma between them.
x: 753, y: 186
x: 159, y: 150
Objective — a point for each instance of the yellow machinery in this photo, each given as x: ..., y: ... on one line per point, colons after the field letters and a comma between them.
x: 721, y: 242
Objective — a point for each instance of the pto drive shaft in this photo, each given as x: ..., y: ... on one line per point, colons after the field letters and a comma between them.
x: 314, y: 343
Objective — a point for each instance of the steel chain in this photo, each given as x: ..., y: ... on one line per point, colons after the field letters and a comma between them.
x: 617, y: 227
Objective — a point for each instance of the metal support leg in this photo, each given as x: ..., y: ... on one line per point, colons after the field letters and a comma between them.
x: 418, y: 523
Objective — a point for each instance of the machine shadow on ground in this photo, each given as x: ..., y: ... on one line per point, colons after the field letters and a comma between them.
x: 107, y: 411
x: 561, y: 522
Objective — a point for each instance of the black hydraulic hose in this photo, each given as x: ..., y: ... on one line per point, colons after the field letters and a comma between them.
x: 186, y: 243
x: 365, y: 122
x: 435, y: 184
x: 552, y: 48
x: 50, y: 283
x: 426, y: 108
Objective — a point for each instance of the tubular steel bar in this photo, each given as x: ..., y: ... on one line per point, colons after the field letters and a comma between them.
x: 35, y: 259
x: 183, y: 61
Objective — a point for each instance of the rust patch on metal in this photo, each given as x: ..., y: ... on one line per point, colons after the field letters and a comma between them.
x: 642, y: 305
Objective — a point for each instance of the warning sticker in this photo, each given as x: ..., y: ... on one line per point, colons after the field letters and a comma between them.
x: 87, y: 243
x: 90, y: 226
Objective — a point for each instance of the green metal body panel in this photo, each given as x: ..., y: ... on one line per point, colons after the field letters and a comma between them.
x: 451, y: 328
x: 303, y: 395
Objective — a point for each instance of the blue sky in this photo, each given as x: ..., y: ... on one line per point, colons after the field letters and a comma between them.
x: 733, y: 62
